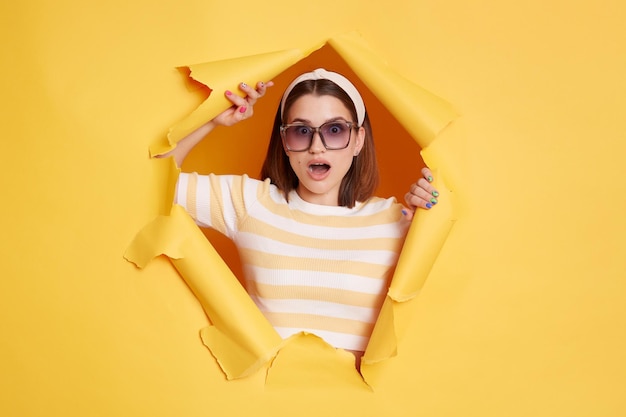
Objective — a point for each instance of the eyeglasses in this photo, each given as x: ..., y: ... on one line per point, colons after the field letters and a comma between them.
x: 298, y: 137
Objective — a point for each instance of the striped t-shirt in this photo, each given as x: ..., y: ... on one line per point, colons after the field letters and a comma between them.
x: 312, y: 268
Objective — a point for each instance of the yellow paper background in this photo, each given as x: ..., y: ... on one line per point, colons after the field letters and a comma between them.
x: 523, y: 313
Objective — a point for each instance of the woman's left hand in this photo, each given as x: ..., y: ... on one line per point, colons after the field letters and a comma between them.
x: 421, y: 194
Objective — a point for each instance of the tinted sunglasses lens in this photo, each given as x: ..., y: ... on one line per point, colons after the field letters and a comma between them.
x: 336, y: 134
x: 298, y: 138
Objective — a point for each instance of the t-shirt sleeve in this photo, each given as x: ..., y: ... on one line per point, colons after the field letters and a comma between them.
x: 215, y: 201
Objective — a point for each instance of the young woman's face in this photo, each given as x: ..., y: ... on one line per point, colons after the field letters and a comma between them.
x: 319, y: 170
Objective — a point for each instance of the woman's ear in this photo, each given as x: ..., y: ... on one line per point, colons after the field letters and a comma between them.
x: 360, y: 140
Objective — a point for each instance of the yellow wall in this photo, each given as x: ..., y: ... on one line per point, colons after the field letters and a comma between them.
x: 524, y: 312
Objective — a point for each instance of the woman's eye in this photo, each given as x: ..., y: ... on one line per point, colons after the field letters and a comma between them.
x: 303, y: 130
x: 335, y: 128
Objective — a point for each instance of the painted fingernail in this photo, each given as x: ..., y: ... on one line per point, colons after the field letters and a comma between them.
x: 428, y: 205
x: 228, y: 92
x: 429, y: 178
x: 244, y: 85
x: 243, y: 109
x: 262, y: 84
x: 435, y: 194
x: 433, y: 200
x: 404, y: 212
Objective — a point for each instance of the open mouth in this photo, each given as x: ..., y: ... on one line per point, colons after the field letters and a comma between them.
x: 319, y: 168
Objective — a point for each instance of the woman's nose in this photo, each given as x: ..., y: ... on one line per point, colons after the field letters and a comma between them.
x: 316, y: 143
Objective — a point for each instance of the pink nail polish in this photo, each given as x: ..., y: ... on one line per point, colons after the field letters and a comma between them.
x: 228, y: 93
x: 243, y: 109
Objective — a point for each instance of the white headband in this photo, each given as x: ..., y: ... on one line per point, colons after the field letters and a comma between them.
x: 340, y: 80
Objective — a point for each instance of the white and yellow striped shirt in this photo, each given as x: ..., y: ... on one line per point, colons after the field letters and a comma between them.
x: 312, y: 268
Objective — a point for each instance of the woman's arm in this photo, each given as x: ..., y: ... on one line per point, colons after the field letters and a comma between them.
x: 240, y: 110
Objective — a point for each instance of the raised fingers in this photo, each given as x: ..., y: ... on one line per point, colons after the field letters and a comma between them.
x: 242, y: 104
x: 422, y: 193
x: 254, y: 93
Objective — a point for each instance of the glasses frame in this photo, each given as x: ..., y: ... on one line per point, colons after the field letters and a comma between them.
x: 315, y: 130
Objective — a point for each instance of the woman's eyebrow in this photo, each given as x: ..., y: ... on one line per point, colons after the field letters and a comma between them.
x: 298, y: 120
x: 308, y: 122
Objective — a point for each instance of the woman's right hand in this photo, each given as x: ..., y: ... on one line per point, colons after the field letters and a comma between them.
x: 242, y: 107
x: 240, y: 110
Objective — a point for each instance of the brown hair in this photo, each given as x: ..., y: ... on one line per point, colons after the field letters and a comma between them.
x: 362, y: 178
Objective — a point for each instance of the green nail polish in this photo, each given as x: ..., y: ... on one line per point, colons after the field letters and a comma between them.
x: 435, y: 194
x: 433, y: 200
x: 429, y: 178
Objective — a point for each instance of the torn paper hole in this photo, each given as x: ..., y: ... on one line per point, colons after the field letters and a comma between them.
x: 247, y: 344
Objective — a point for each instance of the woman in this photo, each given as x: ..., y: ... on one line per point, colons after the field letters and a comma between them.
x: 318, y: 249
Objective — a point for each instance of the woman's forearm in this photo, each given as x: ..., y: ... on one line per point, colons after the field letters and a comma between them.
x: 186, y: 144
